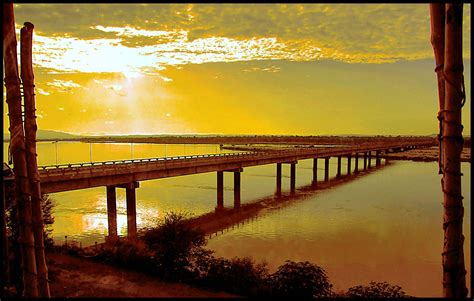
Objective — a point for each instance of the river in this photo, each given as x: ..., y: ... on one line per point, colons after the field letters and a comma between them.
x: 383, y: 226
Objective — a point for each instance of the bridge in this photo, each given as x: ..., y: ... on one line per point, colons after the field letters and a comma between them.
x: 128, y: 173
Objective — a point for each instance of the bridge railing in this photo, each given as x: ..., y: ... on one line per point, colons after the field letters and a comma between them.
x: 321, y: 152
x: 145, y: 160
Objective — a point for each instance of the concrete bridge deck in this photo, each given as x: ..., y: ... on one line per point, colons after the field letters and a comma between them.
x: 128, y: 173
x: 57, y: 178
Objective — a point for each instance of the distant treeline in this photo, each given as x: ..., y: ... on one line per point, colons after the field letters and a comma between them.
x: 245, y: 139
x: 260, y: 139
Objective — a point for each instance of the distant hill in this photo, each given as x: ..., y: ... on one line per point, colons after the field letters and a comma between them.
x: 48, y: 135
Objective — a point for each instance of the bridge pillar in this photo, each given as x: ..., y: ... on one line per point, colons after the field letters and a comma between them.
x: 326, y: 169
x: 315, y: 171
x: 131, y: 209
x: 349, y: 158
x: 365, y: 160
x: 369, y: 157
x: 338, y: 166
x: 236, y: 189
x: 293, y: 177
x: 220, y: 190
x: 356, y: 163
x: 278, y: 179
x: 112, y: 212
x: 377, y: 158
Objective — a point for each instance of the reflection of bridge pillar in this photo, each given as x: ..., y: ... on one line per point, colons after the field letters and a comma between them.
x: 112, y: 211
x: 377, y: 158
x: 315, y: 171
x: 338, y: 166
x: 220, y: 190
x: 293, y: 177
x: 349, y: 164
x: 131, y: 208
x: 326, y: 169
x: 365, y: 160
x: 278, y: 176
x: 236, y: 189
x: 356, y: 167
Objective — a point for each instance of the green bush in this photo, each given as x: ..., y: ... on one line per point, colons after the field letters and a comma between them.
x: 174, y: 246
x: 300, y: 279
x: 376, y: 290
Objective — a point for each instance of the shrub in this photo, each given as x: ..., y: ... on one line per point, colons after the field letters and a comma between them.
x: 376, y: 290
x: 237, y: 275
x: 300, y: 279
x: 125, y: 252
x: 174, y: 246
x: 47, y: 205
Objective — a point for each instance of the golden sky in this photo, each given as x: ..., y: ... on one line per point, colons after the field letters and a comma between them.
x: 306, y: 69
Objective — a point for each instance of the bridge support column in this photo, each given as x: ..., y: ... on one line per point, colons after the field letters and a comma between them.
x: 365, y: 161
x: 349, y: 158
x: 326, y: 169
x: 220, y: 190
x: 369, y: 157
x: 315, y: 171
x: 338, y: 166
x: 131, y: 209
x: 293, y: 177
x: 236, y: 189
x: 377, y: 158
x: 278, y: 179
x: 112, y: 212
x: 356, y: 163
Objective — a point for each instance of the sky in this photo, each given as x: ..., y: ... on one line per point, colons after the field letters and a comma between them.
x: 292, y: 69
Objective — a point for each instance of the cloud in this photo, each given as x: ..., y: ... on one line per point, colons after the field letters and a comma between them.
x: 63, y: 85
x: 271, y: 69
x: 42, y: 92
x: 96, y: 37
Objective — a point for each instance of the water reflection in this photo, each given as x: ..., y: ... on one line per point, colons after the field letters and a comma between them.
x: 385, y: 226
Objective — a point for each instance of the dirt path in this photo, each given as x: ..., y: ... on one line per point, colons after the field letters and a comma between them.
x: 77, y: 277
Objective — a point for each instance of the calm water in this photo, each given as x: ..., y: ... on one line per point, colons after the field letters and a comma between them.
x: 384, y: 226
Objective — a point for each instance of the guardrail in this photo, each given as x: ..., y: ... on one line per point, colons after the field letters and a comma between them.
x: 321, y: 152
x: 128, y: 161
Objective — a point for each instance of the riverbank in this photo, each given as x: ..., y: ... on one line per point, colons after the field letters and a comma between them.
x: 426, y: 154
x: 73, y: 277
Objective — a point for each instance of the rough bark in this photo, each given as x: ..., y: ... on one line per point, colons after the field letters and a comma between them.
x: 437, y: 14
x: 454, y: 282
x: 27, y: 77
x: 5, y: 276
x: 17, y: 146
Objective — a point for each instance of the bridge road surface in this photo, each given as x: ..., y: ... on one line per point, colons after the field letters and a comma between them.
x: 67, y: 177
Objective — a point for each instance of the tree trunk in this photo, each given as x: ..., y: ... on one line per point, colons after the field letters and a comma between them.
x: 27, y: 78
x: 17, y: 145
x: 437, y: 41
x: 5, y: 276
x: 454, y: 282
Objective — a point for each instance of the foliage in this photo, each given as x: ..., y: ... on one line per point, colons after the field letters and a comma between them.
x: 124, y: 252
x: 174, y: 246
x: 376, y: 290
x: 237, y: 275
x: 47, y: 206
x: 300, y: 279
